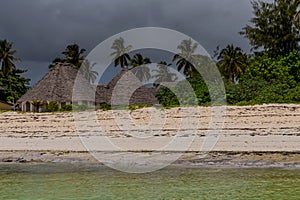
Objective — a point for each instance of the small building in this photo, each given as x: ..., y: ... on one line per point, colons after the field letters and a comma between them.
x: 126, y: 89
x: 59, y: 83
x: 56, y: 85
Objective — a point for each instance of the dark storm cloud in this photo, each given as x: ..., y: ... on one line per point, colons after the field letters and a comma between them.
x: 40, y: 29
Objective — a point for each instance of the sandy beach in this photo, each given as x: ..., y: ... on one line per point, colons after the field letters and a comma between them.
x: 262, y: 134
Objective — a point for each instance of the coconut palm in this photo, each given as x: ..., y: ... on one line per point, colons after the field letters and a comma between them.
x: 232, y: 62
x: 139, y: 68
x: 163, y: 74
x: 87, y: 70
x: 7, y: 59
x: 73, y: 54
x: 120, y: 56
x: 54, y: 61
x: 186, y: 58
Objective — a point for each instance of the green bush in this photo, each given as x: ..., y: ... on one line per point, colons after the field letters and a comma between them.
x: 65, y: 108
x: 138, y: 106
x: 167, y: 98
x: 105, y: 106
x: 268, y: 80
x: 53, y: 106
x: 190, y: 92
x: 80, y: 107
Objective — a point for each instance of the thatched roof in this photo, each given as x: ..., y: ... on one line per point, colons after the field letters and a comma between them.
x: 57, y: 85
x: 124, y: 87
x: 101, y: 94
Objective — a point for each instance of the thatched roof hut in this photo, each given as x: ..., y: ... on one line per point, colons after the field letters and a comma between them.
x: 57, y: 85
x: 127, y: 87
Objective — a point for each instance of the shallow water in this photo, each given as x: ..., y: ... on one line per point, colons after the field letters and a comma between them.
x: 69, y: 181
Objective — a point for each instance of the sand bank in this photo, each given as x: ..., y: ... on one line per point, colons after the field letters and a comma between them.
x: 244, y: 130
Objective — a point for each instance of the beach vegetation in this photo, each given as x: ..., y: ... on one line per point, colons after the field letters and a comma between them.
x: 53, y: 106
x: 66, y: 108
x: 14, y: 83
x: 274, y: 30
x: 186, y: 59
x: 270, y: 73
x: 10, y: 79
x: 105, y: 106
x: 74, y: 54
x: 232, y: 62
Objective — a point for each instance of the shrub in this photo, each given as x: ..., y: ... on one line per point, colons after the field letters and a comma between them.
x: 68, y: 107
x: 268, y: 80
x: 138, y: 106
x: 53, y: 106
x: 190, y: 92
x: 105, y: 106
x: 80, y: 107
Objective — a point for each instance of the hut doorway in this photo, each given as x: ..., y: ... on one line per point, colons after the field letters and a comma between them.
x: 27, y: 106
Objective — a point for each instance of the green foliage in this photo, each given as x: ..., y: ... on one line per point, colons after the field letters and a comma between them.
x: 66, y: 108
x: 14, y: 81
x: 139, y: 68
x: 268, y: 80
x: 120, y: 55
x: 80, y: 107
x: 73, y: 54
x: 105, y: 106
x: 138, y: 106
x: 186, y: 60
x: 7, y: 57
x: 232, y: 63
x: 190, y: 92
x: 274, y: 28
x: 53, y: 106
x: 163, y: 74
x: 167, y: 98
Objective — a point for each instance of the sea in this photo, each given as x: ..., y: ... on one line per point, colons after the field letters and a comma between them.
x: 90, y: 181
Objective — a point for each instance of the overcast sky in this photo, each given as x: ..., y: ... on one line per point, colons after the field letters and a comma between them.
x: 41, y: 29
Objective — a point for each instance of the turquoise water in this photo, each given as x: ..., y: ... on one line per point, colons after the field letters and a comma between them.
x: 67, y: 181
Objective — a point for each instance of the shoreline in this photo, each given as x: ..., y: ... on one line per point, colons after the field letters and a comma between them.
x: 187, y: 160
x: 251, y: 136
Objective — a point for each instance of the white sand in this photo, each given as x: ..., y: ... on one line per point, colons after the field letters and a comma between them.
x: 249, y: 128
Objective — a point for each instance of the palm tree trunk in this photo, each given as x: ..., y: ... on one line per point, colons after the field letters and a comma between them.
x: 13, y: 99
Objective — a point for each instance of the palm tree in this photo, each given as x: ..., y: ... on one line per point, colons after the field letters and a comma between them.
x: 139, y: 68
x: 56, y: 60
x: 74, y: 55
x: 186, y: 57
x: 163, y: 74
x: 7, y: 59
x: 87, y: 70
x: 120, y: 56
x: 232, y: 62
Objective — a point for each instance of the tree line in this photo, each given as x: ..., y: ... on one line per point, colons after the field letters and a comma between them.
x: 270, y: 74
